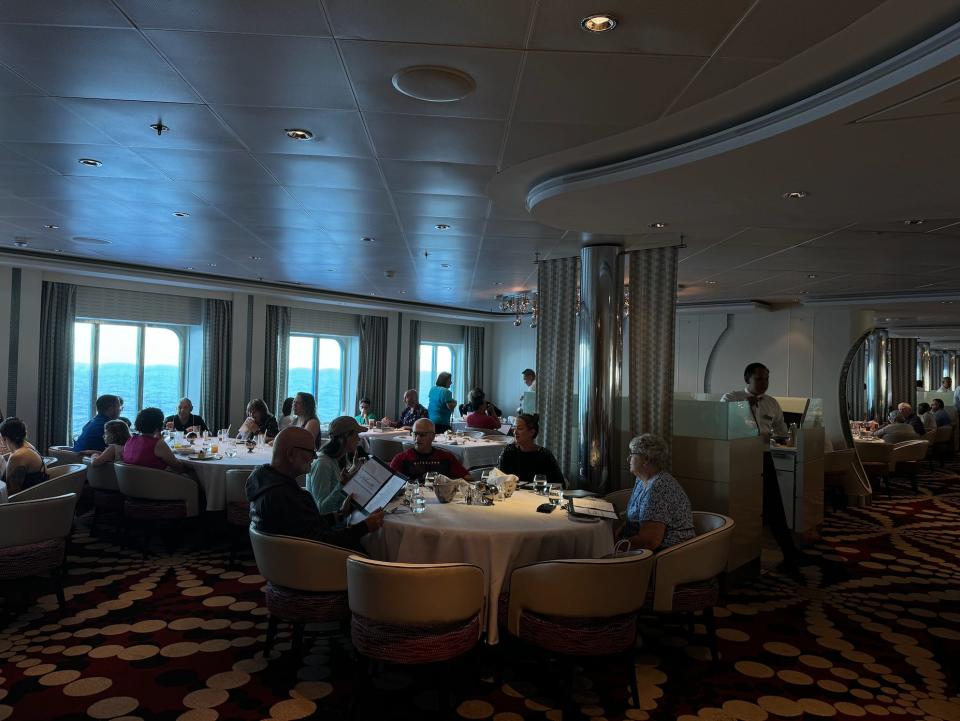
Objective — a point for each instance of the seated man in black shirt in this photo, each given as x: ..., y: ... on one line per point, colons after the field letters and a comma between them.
x: 185, y: 420
x: 278, y: 505
x: 524, y: 458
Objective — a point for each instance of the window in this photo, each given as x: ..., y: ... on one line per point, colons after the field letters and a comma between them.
x: 435, y: 358
x: 142, y: 363
x: 318, y: 364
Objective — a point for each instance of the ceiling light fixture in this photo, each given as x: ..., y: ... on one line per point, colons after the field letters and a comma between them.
x: 403, y: 292
x: 811, y: 276
x: 498, y: 282
x: 442, y: 226
x: 298, y: 134
x: 368, y: 239
x: 181, y: 214
x: 711, y: 282
x: 58, y: 250
x: 20, y: 242
x: 599, y: 23
x: 658, y: 225
x: 433, y: 83
x: 914, y: 221
x: 255, y: 257
x: 159, y: 127
x: 444, y: 265
x: 51, y: 226
x: 188, y: 267
x: 212, y: 265
x: 90, y: 162
x: 795, y: 194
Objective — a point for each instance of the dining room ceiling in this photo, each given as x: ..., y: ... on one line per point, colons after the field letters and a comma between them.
x: 184, y: 107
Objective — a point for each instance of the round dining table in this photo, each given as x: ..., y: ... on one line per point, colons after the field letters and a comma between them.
x: 212, y: 473
x: 471, y: 452
x: 497, y: 538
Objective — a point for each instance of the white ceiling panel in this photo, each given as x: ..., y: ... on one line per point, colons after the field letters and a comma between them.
x: 444, y: 140
x: 64, y: 158
x: 324, y: 172
x: 263, y: 195
x: 438, y: 178
x: 457, y: 226
x: 13, y: 84
x: 335, y: 132
x: 444, y: 206
x: 718, y: 76
x: 341, y: 200
x: 89, y: 13
x: 35, y: 119
x: 531, y: 140
x: 277, y: 17
x: 206, y: 165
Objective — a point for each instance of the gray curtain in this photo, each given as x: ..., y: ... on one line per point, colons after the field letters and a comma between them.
x: 275, y: 357
x: 938, y: 370
x: 413, y: 372
x: 857, y: 385
x: 903, y: 378
x: 372, y: 378
x: 653, y: 301
x: 215, y: 377
x: 473, y: 356
x: 57, y: 314
x: 557, y: 360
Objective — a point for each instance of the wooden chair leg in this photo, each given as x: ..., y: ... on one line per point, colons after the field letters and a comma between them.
x: 632, y: 677
x: 271, y: 635
x: 711, y: 623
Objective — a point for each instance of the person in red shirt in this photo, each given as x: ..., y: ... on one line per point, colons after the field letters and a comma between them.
x: 424, y: 458
x: 482, y: 413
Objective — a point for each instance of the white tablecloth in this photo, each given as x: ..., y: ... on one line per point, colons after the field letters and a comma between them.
x: 497, y: 539
x: 472, y: 452
x: 213, y: 474
x: 390, y: 434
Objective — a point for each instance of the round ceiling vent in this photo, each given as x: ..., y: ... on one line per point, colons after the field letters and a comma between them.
x: 433, y: 83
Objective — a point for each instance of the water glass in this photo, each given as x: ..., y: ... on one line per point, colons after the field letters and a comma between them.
x: 540, y: 484
x: 556, y: 496
x: 419, y: 502
x: 430, y: 478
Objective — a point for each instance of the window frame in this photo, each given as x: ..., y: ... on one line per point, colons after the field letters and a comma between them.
x: 456, y: 354
x: 347, y: 351
x: 182, y: 332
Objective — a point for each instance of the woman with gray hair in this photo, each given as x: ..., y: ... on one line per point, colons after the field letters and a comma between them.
x: 658, y: 514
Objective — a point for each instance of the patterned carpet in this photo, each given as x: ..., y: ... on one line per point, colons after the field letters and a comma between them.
x: 872, y: 631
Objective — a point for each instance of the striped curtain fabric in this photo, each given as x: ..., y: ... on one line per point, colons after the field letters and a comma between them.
x: 57, y: 314
x: 215, y: 378
x: 652, y: 324
x: 857, y: 386
x: 372, y: 378
x: 937, y: 369
x: 473, y: 357
x: 557, y: 360
x: 903, y: 376
x: 413, y: 374
x: 275, y: 357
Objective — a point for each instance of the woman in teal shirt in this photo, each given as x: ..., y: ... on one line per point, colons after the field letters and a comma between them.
x: 441, y: 403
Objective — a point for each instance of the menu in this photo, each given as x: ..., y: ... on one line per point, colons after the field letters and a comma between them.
x: 373, y: 486
x: 593, y: 507
x: 506, y: 429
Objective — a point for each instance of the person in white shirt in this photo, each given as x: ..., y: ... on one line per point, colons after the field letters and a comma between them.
x: 946, y: 385
x: 926, y: 415
x: 528, y: 402
x: 769, y: 418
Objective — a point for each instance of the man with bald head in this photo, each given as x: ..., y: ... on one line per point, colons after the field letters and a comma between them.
x: 423, y: 458
x: 279, y: 505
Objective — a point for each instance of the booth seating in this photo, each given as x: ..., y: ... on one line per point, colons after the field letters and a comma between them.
x: 62, y: 479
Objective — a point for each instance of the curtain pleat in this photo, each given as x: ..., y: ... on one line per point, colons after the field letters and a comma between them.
x: 372, y: 378
x: 557, y: 360
x: 903, y: 380
x: 938, y: 369
x: 215, y: 377
x: 413, y: 373
x: 473, y: 356
x: 653, y: 300
x: 857, y: 386
x: 275, y: 357
x: 57, y: 314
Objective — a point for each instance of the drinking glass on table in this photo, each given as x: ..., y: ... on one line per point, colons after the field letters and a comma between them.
x: 430, y: 478
x: 556, y: 495
x: 540, y: 484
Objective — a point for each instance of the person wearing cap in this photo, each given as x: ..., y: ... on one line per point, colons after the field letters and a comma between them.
x: 336, y: 464
x: 423, y: 458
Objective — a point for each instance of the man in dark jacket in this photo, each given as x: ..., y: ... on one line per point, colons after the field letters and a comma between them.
x: 278, y: 504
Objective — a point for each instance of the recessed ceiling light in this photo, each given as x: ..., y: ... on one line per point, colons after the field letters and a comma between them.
x: 188, y: 267
x: 58, y: 250
x: 442, y: 226
x: 914, y: 221
x: 711, y: 282
x: 368, y: 239
x: 51, y: 226
x: 804, y: 292
x: 795, y: 194
x: 373, y: 294
x: 20, y: 243
x: 331, y: 270
x: 298, y: 134
x: 444, y: 265
x: 498, y: 282
x: 255, y: 257
x: 448, y: 288
x: 212, y: 265
x: 91, y: 162
x: 658, y: 225
x: 403, y: 292
x: 181, y: 214
x: 599, y: 23
x: 811, y: 276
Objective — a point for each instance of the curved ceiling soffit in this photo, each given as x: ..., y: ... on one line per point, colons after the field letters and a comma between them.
x: 921, y: 58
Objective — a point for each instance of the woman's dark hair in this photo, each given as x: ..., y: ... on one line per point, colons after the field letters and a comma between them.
x: 923, y: 408
x: 149, y: 421
x: 14, y: 429
x: 531, y: 421
x: 309, y: 405
x: 287, y: 407
x: 257, y: 404
x: 476, y: 398
x: 116, y: 432
x: 364, y: 400
x: 444, y: 379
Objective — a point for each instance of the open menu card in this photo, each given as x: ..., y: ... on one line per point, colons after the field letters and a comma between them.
x: 593, y: 507
x: 506, y: 429
x: 373, y: 486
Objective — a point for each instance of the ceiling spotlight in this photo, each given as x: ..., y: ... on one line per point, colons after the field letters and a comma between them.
x: 368, y: 239
x: 212, y: 265
x: 159, y: 127
x: 914, y: 221
x: 795, y: 194
x: 181, y: 214
x: 255, y: 257
x: 658, y: 225
x: 20, y: 242
x: 51, y: 226
x: 298, y: 134
x: 711, y: 282
x: 444, y: 265
x: 811, y: 276
x: 599, y: 23
x: 403, y: 292
x: 188, y: 267
x: 58, y: 250
x: 448, y: 288
x: 442, y: 226
x: 331, y: 270
x: 498, y: 282
x: 90, y: 162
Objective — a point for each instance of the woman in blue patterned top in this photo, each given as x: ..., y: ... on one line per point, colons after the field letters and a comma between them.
x: 658, y: 514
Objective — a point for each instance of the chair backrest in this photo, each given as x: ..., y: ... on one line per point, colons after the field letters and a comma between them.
x: 838, y: 461
x: 153, y: 484
x: 944, y: 434
x: 300, y: 563
x: 103, y: 477
x: 414, y: 593
x: 477, y: 473
x: 930, y: 436
x: 620, y: 499
x: 910, y: 451
x: 385, y: 448
x: 36, y: 520
x: 875, y: 452
x: 63, y: 479
x: 699, y: 559
x: 65, y: 454
x: 580, y: 587
x: 236, y: 485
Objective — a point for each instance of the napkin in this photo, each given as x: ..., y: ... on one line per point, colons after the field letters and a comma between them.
x: 507, y: 481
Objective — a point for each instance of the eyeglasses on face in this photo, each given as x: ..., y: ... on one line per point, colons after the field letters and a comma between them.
x: 423, y: 433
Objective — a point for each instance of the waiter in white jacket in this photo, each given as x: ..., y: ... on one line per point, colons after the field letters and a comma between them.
x: 769, y: 418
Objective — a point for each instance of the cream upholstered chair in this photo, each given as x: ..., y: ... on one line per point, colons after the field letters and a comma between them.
x: 620, y: 500
x: 238, y: 509
x: 33, y: 539
x: 306, y: 582
x: 836, y: 471
x: 943, y: 443
x: 65, y: 454
x: 155, y: 499
x: 62, y: 479
x: 906, y: 458
x: 580, y: 608
x: 877, y: 461
x: 686, y: 576
x: 384, y: 448
x: 107, y: 499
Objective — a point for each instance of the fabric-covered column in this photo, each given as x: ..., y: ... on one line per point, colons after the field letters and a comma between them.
x: 413, y: 369
x: 275, y: 356
x: 473, y: 357
x: 215, y: 377
x: 372, y: 376
x: 903, y: 365
x: 652, y: 323
x: 57, y: 316
x: 557, y: 360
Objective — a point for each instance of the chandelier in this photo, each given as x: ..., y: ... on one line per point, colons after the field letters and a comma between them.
x: 520, y: 305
